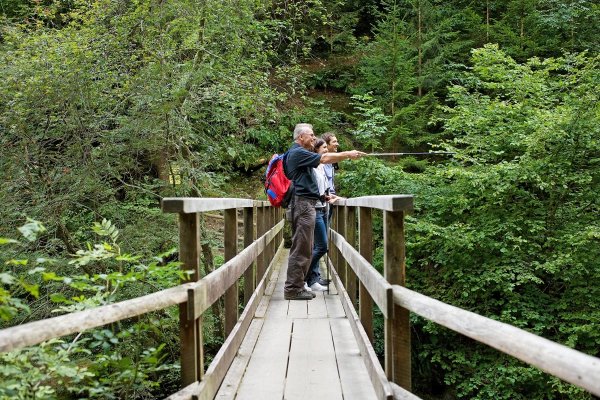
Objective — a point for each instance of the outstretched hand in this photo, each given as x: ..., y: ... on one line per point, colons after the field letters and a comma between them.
x: 354, y: 154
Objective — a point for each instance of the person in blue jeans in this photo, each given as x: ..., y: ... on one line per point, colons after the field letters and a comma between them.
x: 332, y: 147
x: 313, y: 279
x: 299, y: 165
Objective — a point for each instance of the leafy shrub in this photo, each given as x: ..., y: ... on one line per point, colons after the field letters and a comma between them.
x: 129, y: 359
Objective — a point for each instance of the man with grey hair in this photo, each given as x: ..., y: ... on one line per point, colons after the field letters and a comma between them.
x: 298, y: 166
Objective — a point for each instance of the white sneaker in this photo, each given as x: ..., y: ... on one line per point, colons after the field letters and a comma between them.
x: 306, y: 287
x: 317, y: 287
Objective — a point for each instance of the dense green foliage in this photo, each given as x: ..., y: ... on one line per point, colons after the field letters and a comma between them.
x: 106, y: 106
x: 510, y: 229
x: 108, y: 362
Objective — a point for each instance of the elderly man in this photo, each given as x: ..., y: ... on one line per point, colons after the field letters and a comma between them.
x: 298, y: 166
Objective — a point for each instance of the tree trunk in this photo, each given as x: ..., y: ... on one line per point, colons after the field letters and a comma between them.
x: 487, y: 21
x: 419, y: 44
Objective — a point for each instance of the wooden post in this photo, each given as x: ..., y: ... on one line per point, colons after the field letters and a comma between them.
x: 281, y: 235
x: 260, y: 230
x: 334, y: 252
x: 397, y: 328
x: 331, y: 246
x: 351, y: 239
x: 341, y: 228
x: 268, y: 257
x: 249, y: 237
x: 365, y: 237
x: 231, y: 294
x: 192, y: 352
x: 272, y: 245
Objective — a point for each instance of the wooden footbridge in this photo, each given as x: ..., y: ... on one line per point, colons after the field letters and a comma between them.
x: 278, y: 349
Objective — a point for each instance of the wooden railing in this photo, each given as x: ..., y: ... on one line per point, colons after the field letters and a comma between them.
x: 202, y: 293
x: 361, y: 286
x: 193, y: 297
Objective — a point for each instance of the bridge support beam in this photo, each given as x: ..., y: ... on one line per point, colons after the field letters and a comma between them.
x: 261, y: 228
x: 249, y: 237
x: 397, y: 328
x: 340, y: 266
x: 231, y: 250
x: 351, y: 286
x: 190, y: 331
x: 365, y: 238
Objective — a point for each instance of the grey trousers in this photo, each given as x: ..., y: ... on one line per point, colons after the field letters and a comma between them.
x: 303, y: 228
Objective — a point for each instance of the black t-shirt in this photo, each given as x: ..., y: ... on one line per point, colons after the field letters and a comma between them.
x: 298, y: 167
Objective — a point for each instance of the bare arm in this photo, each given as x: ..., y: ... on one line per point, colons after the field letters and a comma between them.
x: 329, y: 158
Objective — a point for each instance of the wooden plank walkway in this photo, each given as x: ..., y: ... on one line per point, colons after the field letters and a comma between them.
x: 297, y: 350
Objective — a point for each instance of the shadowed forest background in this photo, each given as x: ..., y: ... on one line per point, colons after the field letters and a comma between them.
x: 106, y: 106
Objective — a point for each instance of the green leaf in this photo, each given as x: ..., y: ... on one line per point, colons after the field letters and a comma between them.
x: 58, y: 298
x: 31, y: 229
x: 7, y: 241
x: 16, y: 262
x: 7, y: 278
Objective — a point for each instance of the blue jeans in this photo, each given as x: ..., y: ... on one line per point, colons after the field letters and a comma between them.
x: 319, y: 248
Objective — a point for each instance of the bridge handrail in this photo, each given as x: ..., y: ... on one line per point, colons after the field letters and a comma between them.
x: 202, y: 294
x: 36, y: 332
x: 189, y: 205
x: 392, y: 202
x: 194, y: 296
x: 379, y: 289
x: 395, y: 300
x: 556, y: 359
x: 32, y: 333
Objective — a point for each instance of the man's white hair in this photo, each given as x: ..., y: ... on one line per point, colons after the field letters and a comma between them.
x: 301, y: 128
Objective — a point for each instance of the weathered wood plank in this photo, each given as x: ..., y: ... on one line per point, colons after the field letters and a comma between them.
x: 218, y: 367
x: 213, y: 285
x: 351, y: 281
x: 379, y: 289
x: 188, y: 205
x: 402, y: 394
x: 232, y: 380
x: 397, y: 326
x: 249, y: 237
x: 36, y: 332
x: 365, y: 246
x: 230, y: 239
x: 261, y: 311
x: 190, y: 331
x: 186, y: 393
x: 298, y: 309
x: 278, y: 306
x: 261, y: 229
x: 312, y: 369
x: 377, y: 375
x: 265, y: 375
x: 342, y: 263
x: 316, y: 308
x: 393, y: 202
x: 565, y: 363
x: 354, y: 379
x: 334, y: 307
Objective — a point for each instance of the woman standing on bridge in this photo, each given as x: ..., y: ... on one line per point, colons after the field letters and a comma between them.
x: 313, y: 277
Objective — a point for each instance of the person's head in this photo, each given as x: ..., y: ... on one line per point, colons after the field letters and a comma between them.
x: 320, y: 146
x: 304, y: 136
x: 331, y: 140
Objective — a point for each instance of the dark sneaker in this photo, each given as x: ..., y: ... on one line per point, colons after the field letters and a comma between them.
x: 301, y: 295
x: 324, y: 282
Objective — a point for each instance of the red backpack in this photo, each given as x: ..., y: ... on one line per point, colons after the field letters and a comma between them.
x: 278, y: 187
